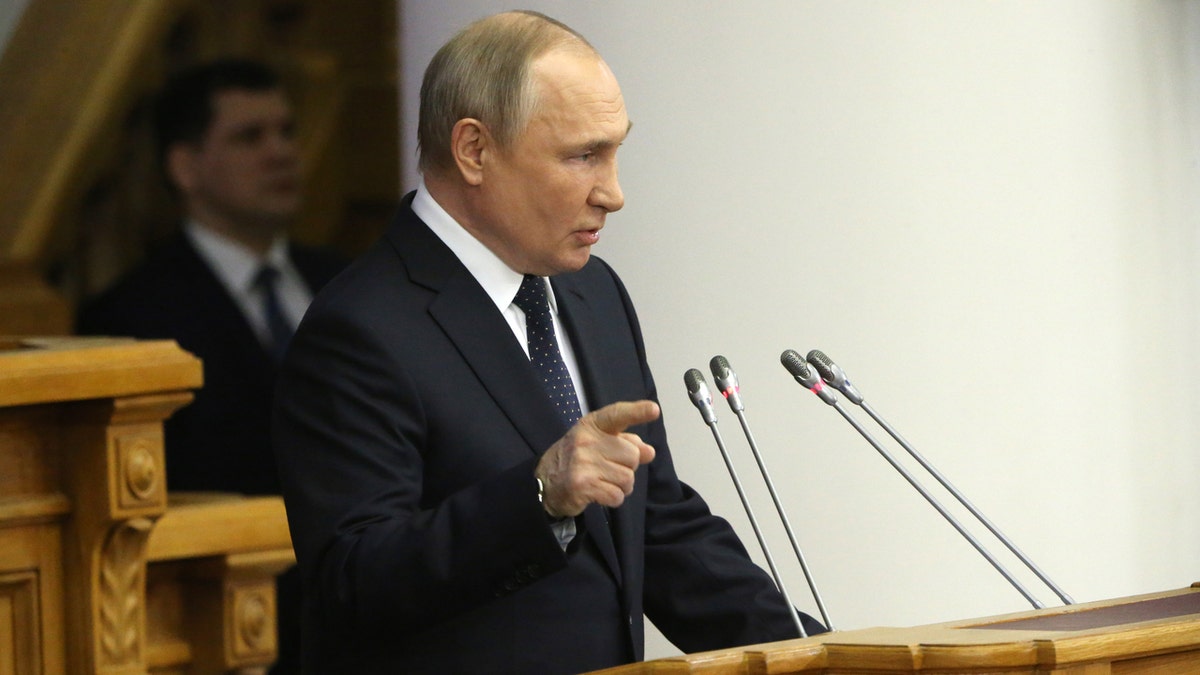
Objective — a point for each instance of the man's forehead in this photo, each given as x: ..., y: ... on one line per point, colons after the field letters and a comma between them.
x: 567, y: 71
x: 580, y: 86
x: 240, y: 103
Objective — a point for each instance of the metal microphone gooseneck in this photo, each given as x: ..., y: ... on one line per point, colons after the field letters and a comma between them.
x: 727, y: 384
x: 836, y: 377
x: 806, y: 376
x: 702, y: 399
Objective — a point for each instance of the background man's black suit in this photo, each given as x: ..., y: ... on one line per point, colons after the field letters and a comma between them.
x: 221, y: 441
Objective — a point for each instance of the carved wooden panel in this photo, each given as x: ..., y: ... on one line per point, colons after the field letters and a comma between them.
x: 29, y: 461
x: 20, y: 624
x: 122, y: 585
x: 81, y: 490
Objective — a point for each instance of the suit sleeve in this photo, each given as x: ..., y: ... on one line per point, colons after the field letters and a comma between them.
x: 376, y: 552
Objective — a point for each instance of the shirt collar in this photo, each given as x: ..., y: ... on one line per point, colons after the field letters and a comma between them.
x: 235, y: 264
x: 499, y: 280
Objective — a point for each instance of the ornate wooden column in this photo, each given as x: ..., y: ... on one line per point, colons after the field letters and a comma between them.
x: 82, y: 483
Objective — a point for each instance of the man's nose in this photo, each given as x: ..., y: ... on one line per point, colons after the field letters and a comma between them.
x: 607, y: 193
x: 283, y: 144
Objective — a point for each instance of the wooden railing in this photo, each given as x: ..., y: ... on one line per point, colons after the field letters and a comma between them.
x: 99, y: 571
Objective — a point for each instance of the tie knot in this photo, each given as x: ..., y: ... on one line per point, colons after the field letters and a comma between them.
x: 531, y: 297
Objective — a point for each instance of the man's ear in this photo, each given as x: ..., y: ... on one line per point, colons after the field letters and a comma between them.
x: 469, y: 144
x: 181, y: 166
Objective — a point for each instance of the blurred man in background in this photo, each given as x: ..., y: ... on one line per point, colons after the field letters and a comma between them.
x: 229, y: 287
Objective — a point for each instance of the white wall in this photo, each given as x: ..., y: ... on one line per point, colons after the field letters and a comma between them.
x: 986, y: 212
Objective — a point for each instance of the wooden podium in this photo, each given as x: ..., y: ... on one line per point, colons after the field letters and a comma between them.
x: 99, y: 571
x: 1155, y: 634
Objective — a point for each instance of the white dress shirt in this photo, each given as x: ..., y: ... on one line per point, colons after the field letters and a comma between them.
x: 236, y: 267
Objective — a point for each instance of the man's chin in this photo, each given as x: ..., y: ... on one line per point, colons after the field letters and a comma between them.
x: 282, y: 212
x: 273, y: 222
x: 575, y: 262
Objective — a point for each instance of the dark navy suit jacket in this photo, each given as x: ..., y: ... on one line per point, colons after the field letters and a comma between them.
x: 408, y: 426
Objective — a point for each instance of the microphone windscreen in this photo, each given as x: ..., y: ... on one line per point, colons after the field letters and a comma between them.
x: 795, y: 364
x: 719, y: 366
x: 823, y: 364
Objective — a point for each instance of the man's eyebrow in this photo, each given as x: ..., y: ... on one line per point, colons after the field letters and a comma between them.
x: 628, y: 128
x: 602, y: 143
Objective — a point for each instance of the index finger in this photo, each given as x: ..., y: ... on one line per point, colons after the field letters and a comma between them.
x: 617, y: 417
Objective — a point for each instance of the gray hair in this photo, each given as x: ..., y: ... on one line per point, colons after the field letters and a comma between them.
x: 483, y: 73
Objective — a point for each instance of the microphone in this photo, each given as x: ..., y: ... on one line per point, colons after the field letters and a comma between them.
x: 698, y: 391
x: 836, y: 377
x: 806, y: 376
x: 727, y: 384
x: 790, y: 358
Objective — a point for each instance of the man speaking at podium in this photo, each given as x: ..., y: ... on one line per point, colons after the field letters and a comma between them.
x: 475, y: 472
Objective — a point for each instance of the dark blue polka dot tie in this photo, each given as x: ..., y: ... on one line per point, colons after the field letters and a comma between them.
x: 544, y: 354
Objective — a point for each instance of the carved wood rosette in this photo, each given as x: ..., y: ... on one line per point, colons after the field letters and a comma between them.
x: 253, y: 625
x: 250, y: 602
x: 233, y: 606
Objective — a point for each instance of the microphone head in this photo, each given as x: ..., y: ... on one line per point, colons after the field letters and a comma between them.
x: 727, y: 382
x: 833, y: 375
x: 701, y: 398
x: 805, y: 375
x: 796, y: 365
x: 719, y: 365
x: 825, y: 366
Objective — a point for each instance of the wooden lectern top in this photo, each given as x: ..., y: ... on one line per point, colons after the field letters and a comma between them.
x: 60, y: 369
x: 1153, y: 633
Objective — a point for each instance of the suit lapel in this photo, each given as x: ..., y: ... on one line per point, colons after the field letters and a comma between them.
x: 480, y: 334
x: 316, y: 267
x: 588, y: 343
x: 486, y: 342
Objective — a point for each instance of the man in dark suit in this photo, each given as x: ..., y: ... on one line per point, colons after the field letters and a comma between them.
x: 226, y: 143
x: 477, y: 480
